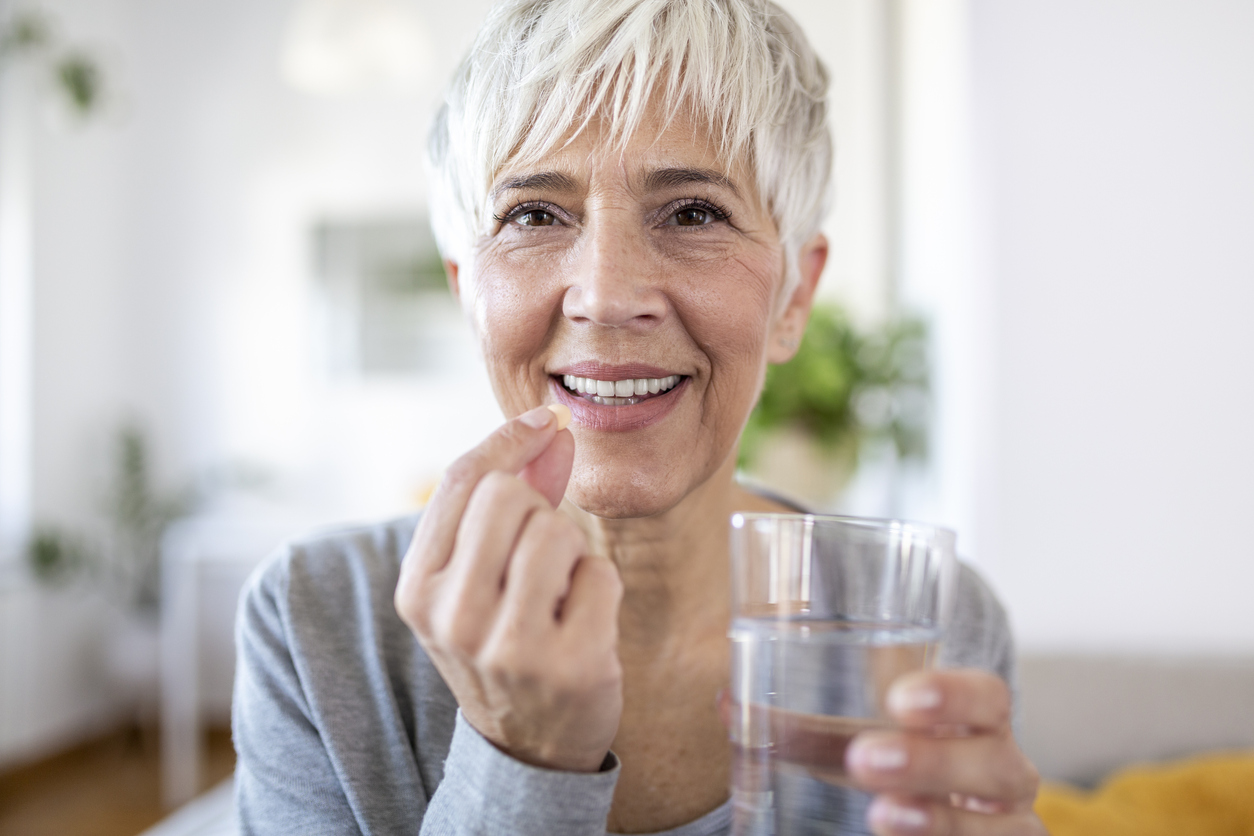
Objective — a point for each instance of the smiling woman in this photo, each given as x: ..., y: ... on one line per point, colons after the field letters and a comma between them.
x: 627, y: 195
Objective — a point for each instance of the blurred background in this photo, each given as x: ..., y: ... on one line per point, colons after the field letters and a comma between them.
x: 223, y: 322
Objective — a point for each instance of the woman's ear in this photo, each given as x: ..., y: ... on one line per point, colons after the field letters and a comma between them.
x: 450, y: 272
x: 790, y: 324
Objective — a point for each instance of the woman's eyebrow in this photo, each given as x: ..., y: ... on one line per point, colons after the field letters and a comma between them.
x: 552, y: 181
x: 668, y: 178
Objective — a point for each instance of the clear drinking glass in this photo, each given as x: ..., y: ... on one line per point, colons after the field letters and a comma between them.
x: 826, y: 613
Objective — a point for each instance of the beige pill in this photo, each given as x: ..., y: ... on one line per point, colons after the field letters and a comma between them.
x: 563, y: 415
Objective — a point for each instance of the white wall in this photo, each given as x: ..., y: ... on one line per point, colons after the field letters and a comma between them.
x: 851, y: 38
x: 1116, y: 139
x: 940, y: 270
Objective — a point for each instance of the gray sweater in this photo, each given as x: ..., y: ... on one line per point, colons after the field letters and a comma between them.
x: 343, y: 726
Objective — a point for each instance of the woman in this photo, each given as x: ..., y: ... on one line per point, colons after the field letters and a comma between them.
x: 628, y: 195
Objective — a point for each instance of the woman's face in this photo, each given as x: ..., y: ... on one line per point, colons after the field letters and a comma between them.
x: 639, y: 288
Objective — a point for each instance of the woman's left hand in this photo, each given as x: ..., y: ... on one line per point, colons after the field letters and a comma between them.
x: 953, y: 768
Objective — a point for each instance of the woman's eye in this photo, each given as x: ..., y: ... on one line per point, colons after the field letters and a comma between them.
x: 535, y: 217
x: 693, y: 216
x: 696, y: 214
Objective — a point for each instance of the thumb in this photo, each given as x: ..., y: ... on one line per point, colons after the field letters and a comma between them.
x: 549, y: 472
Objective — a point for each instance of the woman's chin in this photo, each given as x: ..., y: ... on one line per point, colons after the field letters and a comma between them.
x: 635, y: 489
x: 625, y: 492
x: 621, y: 502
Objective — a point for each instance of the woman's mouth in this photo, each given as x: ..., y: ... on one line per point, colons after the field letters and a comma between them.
x: 629, y: 403
x: 619, y: 392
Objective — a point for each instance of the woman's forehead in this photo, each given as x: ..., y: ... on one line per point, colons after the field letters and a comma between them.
x: 654, y: 158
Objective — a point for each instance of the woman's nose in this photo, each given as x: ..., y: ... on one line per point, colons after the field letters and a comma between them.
x: 615, y: 281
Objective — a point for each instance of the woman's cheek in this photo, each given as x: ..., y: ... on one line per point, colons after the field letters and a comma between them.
x: 733, y: 338
x: 745, y: 318
x: 512, y: 323
x: 731, y: 312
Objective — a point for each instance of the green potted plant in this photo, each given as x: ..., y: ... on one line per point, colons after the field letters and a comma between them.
x: 846, y: 389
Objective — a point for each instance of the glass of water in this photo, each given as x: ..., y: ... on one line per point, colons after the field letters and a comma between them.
x: 826, y: 613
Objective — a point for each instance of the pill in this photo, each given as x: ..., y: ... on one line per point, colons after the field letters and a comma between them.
x: 563, y: 415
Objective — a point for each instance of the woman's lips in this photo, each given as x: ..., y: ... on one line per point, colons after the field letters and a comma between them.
x: 618, y: 414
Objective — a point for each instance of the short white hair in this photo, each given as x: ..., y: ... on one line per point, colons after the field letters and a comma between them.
x: 541, y: 70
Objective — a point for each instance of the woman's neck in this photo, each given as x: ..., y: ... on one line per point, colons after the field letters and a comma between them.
x: 674, y: 565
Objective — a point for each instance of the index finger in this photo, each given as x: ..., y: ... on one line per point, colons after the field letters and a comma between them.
x: 964, y: 697
x: 510, y: 448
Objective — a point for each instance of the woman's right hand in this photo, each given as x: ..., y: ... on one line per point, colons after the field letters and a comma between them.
x: 517, y: 615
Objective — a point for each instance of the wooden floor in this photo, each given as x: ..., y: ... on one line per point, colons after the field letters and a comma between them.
x: 108, y: 787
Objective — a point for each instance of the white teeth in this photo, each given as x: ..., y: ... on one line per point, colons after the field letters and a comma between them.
x: 619, y: 392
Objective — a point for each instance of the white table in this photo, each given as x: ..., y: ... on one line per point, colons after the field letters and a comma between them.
x: 205, y: 563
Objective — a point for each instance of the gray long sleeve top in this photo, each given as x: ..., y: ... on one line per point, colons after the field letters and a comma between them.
x: 343, y: 725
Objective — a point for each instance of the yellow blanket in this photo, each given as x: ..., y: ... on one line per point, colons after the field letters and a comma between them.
x: 1205, y: 796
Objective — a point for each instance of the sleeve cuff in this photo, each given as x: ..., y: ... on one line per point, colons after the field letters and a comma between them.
x: 514, y: 797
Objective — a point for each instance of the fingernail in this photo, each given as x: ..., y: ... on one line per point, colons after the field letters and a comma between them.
x: 913, y: 698
x: 537, y: 418
x: 881, y: 757
x: 562, y: 411
x: 885, y: 813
